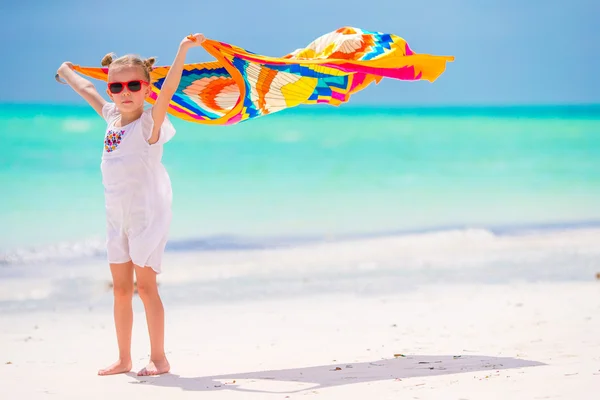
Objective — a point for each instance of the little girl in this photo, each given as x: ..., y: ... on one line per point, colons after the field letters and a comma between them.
x: 137, y: 191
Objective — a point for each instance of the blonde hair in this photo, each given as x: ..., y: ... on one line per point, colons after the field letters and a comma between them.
x: 127, y: 60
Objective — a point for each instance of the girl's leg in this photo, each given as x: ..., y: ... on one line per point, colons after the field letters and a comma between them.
x: 155, y: 317
x: 122, y: 275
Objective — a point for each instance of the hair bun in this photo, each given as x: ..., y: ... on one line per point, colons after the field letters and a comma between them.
x: 149, y: 62
x: 107, y: 60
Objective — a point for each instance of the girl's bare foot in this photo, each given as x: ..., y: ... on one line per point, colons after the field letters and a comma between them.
x: 119, y: 367
x: 156, y: 367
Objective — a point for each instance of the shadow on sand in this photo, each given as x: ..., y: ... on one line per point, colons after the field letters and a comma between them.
x: 297, y: 380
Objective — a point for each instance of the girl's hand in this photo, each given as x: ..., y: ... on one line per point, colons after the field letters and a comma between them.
x: 64, y: 66
x: 192, y: 40
x: 61, y: 70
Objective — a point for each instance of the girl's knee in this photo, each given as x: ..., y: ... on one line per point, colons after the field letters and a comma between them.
x: 123, y: 291
x: 147, y: 286
x: 122, y: 280
x: 147, y: 290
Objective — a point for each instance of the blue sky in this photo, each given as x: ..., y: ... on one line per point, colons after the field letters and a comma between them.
x: 507, y: 52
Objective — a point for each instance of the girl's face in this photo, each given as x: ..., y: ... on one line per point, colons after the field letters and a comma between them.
x: 128, y: 87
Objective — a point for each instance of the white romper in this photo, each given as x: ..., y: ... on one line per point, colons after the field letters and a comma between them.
x: 137, y: 190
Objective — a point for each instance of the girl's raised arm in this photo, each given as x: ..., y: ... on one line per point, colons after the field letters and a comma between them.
x: 169, y: 87
x: 82, y: 86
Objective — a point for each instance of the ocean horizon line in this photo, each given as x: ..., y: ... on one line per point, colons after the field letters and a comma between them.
x: 507, y: 109
x: 359, y: 104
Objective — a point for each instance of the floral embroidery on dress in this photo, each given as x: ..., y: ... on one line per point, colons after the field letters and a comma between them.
x: 113, y: 140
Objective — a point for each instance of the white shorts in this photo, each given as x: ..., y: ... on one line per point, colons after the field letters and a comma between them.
x: 121, y: 250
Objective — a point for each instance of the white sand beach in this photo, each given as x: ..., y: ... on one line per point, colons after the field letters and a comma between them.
x: 472, y: 341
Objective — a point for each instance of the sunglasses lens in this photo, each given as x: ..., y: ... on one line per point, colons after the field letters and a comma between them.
x: 134, y: 86
x: 115, y: 87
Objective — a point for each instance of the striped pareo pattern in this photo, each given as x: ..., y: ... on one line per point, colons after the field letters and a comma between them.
x: 241, y: 85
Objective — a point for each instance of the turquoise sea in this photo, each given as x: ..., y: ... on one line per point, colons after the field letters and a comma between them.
x: 458, y: 184
x: 313, y: 172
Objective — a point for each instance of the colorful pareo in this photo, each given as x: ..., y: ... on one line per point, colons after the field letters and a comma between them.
x: 241, y: 85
